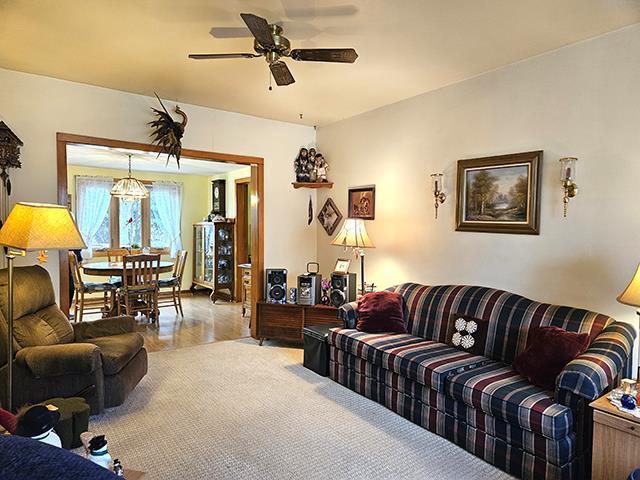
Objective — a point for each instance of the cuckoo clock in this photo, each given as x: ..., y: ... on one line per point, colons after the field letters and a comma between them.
x: 9, y: 154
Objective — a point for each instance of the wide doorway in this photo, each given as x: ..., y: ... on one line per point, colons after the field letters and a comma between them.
x: 209, y: 210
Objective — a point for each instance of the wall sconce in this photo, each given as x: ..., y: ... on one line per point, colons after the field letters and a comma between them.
x: 437, y: 187
x: 567, y: 177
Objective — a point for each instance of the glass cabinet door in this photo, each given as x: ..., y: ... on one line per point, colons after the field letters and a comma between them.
x: 208, y: 253
x: 225, y: 255
x: 198, y: 270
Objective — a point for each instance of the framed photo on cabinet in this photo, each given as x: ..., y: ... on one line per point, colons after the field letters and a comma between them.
x: 499, y: 194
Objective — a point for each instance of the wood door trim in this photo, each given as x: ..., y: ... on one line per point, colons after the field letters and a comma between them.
x: 257, y: 203
x: 146, y: 147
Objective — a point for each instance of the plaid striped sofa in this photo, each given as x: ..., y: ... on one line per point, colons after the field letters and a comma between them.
x: 480, y: 402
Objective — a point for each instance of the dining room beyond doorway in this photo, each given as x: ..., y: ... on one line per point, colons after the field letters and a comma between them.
x: 182, y: 222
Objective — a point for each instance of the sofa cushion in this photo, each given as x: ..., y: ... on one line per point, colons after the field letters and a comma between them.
x: 381, y: 312
x: 498, y: 390
x: 467, y: 333
x: 549, y: 350
x: 118, y: 350
x: 424, y: 361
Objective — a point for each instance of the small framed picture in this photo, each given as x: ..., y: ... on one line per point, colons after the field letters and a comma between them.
x: 362, y: 202
x: 329, y: 216
x: 342, y: 265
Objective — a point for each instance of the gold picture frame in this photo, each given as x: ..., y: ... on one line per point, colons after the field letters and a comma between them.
x: 499, y: 194
x: 342, y: 265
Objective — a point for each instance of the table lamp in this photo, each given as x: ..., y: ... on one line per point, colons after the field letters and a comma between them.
x: 631, y: 296
x: 354, y: 234
x: 33, y: 226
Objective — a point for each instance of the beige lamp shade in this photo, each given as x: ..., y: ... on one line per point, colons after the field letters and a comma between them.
x: 40, y: 226
x: 631, y: 294
x: 353, y: 234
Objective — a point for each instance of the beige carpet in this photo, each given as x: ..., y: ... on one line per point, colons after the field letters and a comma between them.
x: 236, y: 410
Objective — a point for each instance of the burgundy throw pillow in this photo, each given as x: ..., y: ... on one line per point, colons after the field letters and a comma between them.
x: 548, y: 350
x: 467, y: 333
x: 380, y: 312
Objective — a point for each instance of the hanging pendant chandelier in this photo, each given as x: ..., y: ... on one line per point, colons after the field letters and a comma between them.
x: 129, y: 188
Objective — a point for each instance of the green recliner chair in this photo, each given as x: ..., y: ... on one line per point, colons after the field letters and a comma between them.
x: 104, y: 359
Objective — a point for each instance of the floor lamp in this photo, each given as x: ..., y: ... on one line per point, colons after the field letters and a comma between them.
x: 33, y: 226
x: 354, y: 234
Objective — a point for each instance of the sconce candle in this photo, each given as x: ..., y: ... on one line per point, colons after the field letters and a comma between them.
x: 437, y: 186
x: 567, y: 177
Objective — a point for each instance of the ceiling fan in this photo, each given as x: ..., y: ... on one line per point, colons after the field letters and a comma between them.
x: 272, y: 45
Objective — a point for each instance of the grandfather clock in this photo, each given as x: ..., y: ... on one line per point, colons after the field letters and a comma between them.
x: 219, y: 195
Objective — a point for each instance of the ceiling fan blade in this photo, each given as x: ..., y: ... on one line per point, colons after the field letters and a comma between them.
x: 281, y: 73
x: 341, y: 55
x: 259, y: 28
x: 230, y: 32
x: 211, y: 56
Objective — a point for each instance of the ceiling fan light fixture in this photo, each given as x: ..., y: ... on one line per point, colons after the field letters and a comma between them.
x: 129, y: 189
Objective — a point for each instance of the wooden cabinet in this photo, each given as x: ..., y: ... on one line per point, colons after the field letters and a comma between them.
x: 213, y: 259
x: 245, y: 279
x: 616, y: 442
x: 285, y: 322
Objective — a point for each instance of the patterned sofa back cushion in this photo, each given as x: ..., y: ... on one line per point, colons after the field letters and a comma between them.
x: 510, y: 316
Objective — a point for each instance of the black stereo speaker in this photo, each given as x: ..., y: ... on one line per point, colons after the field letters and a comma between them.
x: 276, y: 285
x: 343, y: 288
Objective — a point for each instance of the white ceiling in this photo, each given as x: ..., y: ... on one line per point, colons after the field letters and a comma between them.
x: 406, y: 47
x: 104, y: 157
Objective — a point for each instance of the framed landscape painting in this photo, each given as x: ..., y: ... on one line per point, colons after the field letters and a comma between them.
x: 499, y: 194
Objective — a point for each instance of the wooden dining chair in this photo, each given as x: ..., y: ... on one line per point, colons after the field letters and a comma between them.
x: 170, y: 289
x: 139, y: 292
x: 115, y: 255
x: 82, y: 304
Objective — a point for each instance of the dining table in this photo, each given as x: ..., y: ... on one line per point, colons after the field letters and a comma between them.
x: 114, y: 269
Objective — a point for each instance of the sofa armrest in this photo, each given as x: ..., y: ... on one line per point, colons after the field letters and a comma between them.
x: 105, y: 327
x: 348, y: 313
x: 592, y: 373
x: 62, y: 359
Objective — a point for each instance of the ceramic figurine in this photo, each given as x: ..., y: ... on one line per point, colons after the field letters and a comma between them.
x: 99, y: 453
x: 321, y: 168
x: 300, y: 165
x: 326, y: 287
x: 37, y: 422
x: 293, y: 295
x: 628, y: 401
x: 117, y: 468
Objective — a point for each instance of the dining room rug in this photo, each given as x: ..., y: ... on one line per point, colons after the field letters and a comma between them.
x: 235, y: 410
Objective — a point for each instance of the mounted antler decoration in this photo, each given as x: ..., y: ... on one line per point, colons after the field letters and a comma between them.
x: 167, y: 133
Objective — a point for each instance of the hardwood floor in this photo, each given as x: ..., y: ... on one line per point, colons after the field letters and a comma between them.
x: 203, y: 322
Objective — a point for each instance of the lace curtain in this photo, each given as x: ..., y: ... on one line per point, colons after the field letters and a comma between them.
x: 166, y: 207
x: 93, y: 196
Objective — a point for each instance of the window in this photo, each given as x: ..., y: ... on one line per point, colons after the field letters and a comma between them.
x: 107, y: 221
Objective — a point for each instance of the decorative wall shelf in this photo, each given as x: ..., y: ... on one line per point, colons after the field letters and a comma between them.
x: 312, y: 184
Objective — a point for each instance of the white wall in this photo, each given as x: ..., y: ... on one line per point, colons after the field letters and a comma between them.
x: 583, y: 101
x: 37, y: 107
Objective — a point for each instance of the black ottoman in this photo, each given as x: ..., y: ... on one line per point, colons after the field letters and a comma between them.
x: 316, y: 348
x: 74, y: 420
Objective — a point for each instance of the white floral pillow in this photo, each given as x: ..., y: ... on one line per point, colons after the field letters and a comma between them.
x: 468, y: 334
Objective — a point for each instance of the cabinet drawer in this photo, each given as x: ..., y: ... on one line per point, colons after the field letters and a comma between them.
x: 318, y: 316
x: 280, y: 316
x: 618, y: 423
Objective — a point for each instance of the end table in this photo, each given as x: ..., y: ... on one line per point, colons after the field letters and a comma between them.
x: 616, y: 441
